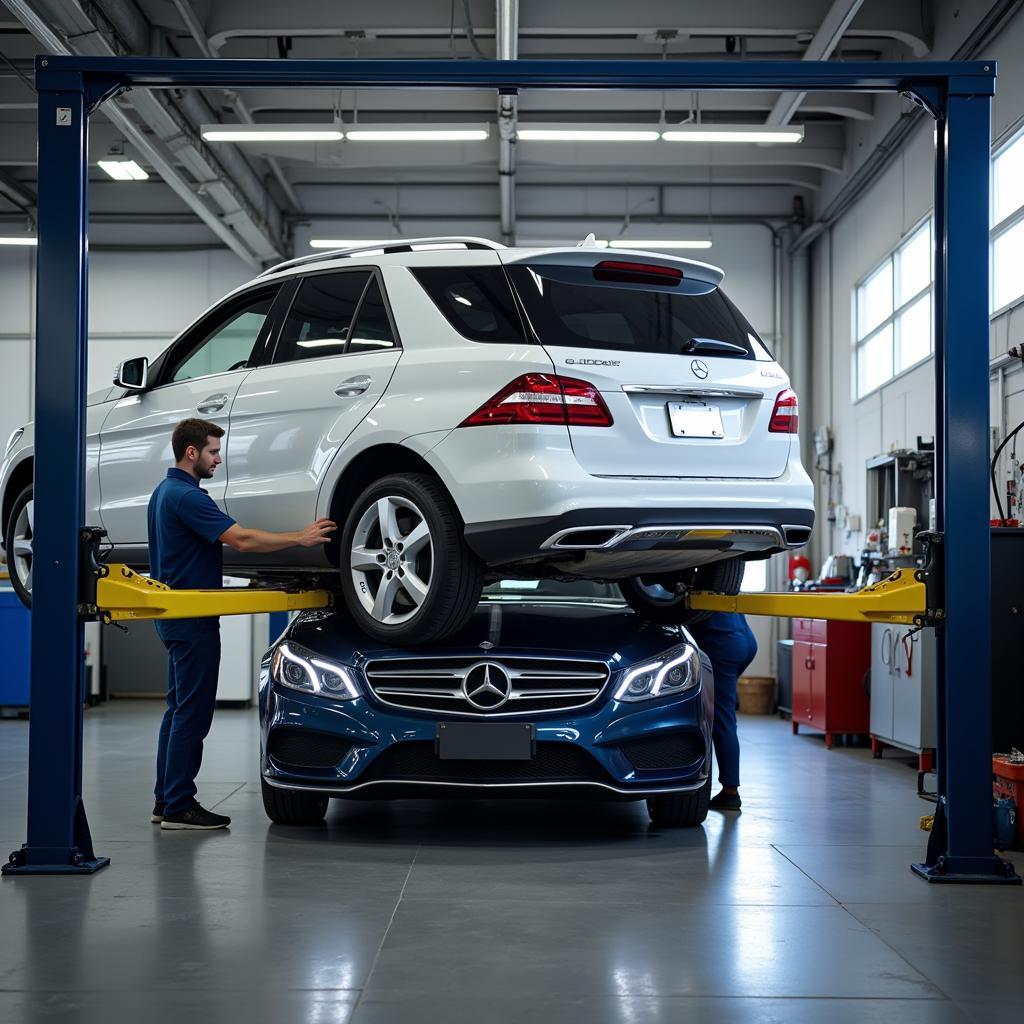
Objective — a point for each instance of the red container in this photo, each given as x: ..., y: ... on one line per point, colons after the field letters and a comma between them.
x: 1009, y: 781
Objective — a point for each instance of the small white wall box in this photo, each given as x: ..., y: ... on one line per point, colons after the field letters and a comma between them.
x: 901, y: 530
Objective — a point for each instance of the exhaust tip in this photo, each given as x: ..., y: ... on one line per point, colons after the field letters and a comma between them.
x: 586, y: 537
x: 796, y: 536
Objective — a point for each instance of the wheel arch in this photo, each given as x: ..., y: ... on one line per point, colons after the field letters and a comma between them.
x: 21, y: 476
x: 369, y: 465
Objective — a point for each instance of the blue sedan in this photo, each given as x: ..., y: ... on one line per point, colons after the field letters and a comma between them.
x: 551, y: 689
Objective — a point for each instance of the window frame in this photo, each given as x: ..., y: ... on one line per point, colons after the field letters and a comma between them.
x: 274, y: 343
x: 193, y: 337
x: 892, y: 321
x: 996, y: 231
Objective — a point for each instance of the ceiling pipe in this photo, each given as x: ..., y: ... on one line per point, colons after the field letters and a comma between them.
x: 507, y: 32
x: 198, y: 33
x: 821, y: 47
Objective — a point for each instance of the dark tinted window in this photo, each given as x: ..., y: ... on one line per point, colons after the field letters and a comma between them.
x: 318, y: 323
x: 476, y: 301
x: 566, y: 306
x: 373, y: 328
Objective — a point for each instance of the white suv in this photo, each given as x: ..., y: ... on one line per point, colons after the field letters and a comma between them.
x: 465, y: 412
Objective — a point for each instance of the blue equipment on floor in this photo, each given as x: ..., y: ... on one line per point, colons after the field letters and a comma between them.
x: 15, y: 634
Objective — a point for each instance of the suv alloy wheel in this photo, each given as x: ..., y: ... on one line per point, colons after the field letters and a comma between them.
x: 407, y: 575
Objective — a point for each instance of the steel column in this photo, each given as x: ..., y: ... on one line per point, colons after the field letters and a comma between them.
x: 961, y: 849
x: 58, y: 832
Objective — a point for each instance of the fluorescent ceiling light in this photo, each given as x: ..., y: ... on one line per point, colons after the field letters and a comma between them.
x: 584, y: 133
x: 417, y: 133
x: 631, y: 243
x: 17, y: 240
x: 123, y: 170
x: 271, y: 133
x: 733, y: 133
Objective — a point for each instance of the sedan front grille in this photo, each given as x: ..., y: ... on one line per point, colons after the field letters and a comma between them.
x: 477, y: 686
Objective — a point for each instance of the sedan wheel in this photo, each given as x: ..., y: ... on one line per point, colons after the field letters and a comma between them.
x: 392, y: 559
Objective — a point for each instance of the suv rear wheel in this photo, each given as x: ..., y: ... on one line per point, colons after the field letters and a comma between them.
x: 407, y: 574
x: 662, y: 599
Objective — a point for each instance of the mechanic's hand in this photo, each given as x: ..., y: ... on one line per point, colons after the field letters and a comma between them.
x: 317, y: 533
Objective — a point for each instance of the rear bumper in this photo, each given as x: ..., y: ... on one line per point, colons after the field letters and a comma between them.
x: 736, y: 530
x: 517, y: 488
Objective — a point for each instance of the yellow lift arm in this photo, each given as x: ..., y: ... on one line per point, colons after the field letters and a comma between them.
x: 899, y: 598
x: 121, y: 593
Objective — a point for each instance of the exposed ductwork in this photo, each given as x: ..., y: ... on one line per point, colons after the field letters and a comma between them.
x: 821, y: 47
x: 507, y: 34
x: 222, y: 189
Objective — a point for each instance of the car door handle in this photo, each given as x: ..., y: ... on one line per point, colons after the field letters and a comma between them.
x: 353, y: 386
x: 212, y: 403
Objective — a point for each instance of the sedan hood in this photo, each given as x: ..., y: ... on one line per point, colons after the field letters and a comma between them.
x: 615, y: 635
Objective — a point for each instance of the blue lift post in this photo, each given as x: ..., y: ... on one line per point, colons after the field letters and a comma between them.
x: 957, y: 94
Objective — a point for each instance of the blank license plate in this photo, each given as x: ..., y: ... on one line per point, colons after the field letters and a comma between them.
x: 485, y: 741
x: 695, y: 419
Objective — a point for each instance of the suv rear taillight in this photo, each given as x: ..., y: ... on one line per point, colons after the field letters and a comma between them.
x: 543, y: 398
x: 785, y: 415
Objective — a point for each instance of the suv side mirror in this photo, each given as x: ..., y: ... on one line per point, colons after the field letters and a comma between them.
x: 132, y: 374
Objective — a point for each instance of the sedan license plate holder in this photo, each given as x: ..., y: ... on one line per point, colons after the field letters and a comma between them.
x: 695, y: 419
x: 485, y: 741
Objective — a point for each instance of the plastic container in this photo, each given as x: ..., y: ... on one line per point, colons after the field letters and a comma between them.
x: 1009, y: 784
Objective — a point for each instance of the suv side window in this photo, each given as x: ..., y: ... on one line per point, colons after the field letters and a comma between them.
x: 476, y: 301
x: 372, y: 330
x: 318, y: 323
x: 227, y: 340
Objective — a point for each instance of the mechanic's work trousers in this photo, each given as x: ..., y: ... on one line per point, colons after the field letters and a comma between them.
x: 728, y: 641
x: 193, y: 665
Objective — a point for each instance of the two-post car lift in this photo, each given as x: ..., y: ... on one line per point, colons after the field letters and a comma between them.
x: 957, y: 95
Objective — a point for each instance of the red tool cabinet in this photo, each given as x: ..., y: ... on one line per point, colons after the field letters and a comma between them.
x: 830, y: 663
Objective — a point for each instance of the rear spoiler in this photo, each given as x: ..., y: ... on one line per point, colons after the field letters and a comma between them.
x: 693, y: 270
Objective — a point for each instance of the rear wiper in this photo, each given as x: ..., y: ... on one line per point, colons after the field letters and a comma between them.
x: 711, y: 346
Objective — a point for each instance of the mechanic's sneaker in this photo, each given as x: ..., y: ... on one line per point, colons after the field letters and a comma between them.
x: 195, y: 818
x: 723, y: 801
x: 158, y: 812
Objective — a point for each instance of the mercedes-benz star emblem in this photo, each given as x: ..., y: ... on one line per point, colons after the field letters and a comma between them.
x: 700, y: 368
x: 486, y: 685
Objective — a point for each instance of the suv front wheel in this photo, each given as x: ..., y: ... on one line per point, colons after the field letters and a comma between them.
x: 407, y: 575
x: 663, y: 599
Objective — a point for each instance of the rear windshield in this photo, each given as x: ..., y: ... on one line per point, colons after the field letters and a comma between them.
x: 567, y: 307
x: 476, y: 301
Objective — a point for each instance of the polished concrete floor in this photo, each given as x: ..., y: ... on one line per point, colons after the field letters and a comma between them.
x: 802, y: 909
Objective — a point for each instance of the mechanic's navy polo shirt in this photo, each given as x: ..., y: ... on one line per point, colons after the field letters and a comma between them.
x: 185, y: 526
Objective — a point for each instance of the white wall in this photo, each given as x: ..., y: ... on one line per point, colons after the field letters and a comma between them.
x: 137, y: 303
x: 896, y: 414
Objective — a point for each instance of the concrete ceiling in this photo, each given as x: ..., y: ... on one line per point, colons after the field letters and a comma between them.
x: 254, y: 199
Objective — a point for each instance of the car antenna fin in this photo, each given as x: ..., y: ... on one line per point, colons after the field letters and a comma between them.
x: 590, y: 242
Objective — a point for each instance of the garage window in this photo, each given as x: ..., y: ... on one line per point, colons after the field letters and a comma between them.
x: 1007, y: 245
x: 892, y: 313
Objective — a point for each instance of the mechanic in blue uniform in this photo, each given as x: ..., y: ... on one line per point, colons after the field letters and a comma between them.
x: 729, y: 642
x: 186, y: 533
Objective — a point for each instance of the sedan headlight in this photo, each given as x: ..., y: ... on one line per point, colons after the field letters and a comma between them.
x: 298, y: 668
x: 674, y: 671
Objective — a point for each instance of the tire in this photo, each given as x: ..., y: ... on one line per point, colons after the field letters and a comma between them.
x: 663, y: 599
x: 288, y: 807
x: 18, y: 534
x: 374, y: 555
x: 680, y: 810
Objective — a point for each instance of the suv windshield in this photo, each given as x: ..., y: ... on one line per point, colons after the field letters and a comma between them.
x: 567, y: 306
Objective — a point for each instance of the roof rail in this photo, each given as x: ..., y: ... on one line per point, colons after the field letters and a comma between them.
x: 399, y: 245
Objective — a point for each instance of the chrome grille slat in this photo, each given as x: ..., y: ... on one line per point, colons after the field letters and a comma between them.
x: 537, y: 685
